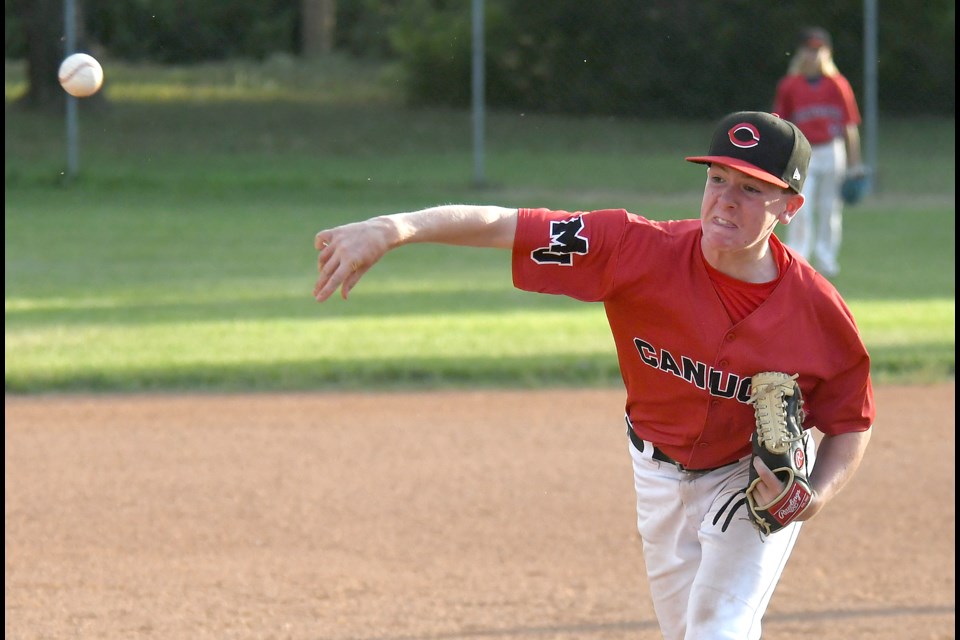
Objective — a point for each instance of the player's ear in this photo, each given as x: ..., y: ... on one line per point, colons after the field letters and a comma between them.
x: 794, y: 202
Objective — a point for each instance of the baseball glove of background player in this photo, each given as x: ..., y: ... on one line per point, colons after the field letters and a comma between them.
x: 779, y: 441
x: 855, y: 186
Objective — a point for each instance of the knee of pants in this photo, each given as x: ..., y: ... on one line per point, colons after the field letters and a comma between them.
x: 715, y: 615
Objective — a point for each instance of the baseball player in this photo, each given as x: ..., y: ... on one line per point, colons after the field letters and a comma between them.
x: 696, y: 307
x: 816, y: 97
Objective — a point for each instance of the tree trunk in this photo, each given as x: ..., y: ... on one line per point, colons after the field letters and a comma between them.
x: 318, y: 19
x: 43, y: 22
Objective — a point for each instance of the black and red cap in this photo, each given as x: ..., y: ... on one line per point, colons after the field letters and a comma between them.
x: 761, y: 145
x: 814, y: 38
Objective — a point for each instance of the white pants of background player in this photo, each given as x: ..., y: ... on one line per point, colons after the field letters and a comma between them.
x: 816, y: 231
x: 706, y: 583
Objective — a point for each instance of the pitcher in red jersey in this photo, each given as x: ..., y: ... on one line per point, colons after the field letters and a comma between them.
x: 696, y: 307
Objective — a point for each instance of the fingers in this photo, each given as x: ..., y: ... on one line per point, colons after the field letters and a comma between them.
x: 762, y: 469
x: 327, y: 265
x: 332, y: 274
x: 356, y: 272
x: 770, y: 485
x: 321, y: 240
x: 334, y: 268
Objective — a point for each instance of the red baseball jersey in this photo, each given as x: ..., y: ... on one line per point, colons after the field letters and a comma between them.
x: 686, y: 366
x: 821, y: 108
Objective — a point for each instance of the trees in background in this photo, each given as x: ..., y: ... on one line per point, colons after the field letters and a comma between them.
x: 680, y: 58
x: 41, y: 36
x: 318, y: 19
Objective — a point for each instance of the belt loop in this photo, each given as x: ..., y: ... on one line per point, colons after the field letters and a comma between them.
x: 631, y: 434
x: 641, y: 445
x: 634, y: 438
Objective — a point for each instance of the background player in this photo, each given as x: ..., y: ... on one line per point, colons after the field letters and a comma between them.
x: 695, y: 307
x: 816, y: 97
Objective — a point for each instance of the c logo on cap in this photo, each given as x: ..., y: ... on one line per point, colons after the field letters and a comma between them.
x: 740, y: 129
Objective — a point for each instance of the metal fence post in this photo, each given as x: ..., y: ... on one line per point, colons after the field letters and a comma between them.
x: 477, y: 93
x: 70, y: 46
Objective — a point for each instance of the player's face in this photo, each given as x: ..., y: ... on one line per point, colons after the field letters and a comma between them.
x: 812, y: 59
x: 738, y: 212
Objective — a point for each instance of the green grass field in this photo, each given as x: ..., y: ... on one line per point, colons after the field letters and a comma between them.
x: 181, y: 256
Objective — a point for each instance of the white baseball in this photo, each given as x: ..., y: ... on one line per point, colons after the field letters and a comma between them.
x: 80, y: 75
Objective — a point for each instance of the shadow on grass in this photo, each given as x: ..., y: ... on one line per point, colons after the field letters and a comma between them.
x: 890, y: 365
x: 289, y: 307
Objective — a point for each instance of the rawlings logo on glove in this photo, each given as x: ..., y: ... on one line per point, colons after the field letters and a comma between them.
x: 779, y: 441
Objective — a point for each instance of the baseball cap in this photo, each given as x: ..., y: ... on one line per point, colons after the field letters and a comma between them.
x: 814, y: 37
x: 761, y: 145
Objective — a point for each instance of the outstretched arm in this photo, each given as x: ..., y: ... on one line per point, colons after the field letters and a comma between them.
x: 348, y: 251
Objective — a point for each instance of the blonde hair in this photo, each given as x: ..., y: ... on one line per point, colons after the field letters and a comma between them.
x: 824, y: 57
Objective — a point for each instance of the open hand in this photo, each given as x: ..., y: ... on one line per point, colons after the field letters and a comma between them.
x: 346, y: 253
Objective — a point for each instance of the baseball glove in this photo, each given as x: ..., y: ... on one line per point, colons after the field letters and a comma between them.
x: 854, y: 187
x: 779, y: 441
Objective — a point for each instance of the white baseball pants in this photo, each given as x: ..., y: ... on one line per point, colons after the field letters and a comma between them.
x: 707, y: 583
x: 816, y: 231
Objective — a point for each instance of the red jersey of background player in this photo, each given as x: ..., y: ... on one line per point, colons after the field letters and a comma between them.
x: 676, y: 343
x: 821, y: 107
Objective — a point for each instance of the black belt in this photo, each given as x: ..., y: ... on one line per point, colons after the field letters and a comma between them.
x: 662, y: 457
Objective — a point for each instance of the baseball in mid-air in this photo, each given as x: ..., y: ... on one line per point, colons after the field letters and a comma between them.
x: 80, y: 75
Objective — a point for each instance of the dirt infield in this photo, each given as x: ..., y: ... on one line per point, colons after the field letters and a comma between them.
x: 421, y: 516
